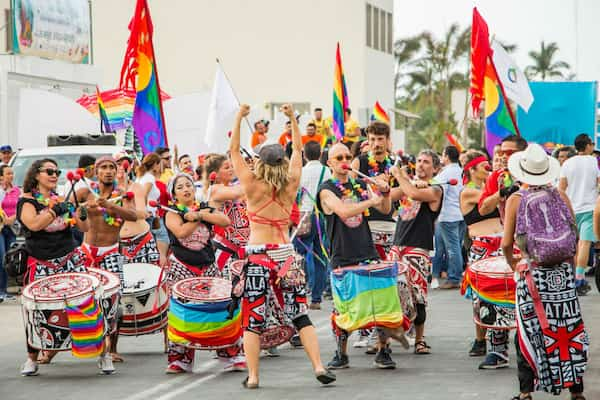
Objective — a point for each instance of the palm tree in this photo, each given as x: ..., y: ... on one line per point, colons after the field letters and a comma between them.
x: 543, y: 64
x: 404, y: 52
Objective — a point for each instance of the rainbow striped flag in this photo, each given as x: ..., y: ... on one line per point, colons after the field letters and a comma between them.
x: 501, y: 292
x: 365, y: 298
x: 87, y: 328
x: 203, y: 325
x: 340, y: 97
x: 139, y: 71
x: 498, y: 123
x: 104, y: 123
x: 379, y: 114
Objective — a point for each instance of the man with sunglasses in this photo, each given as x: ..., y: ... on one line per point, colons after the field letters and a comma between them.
x: 165, y: 163
x: 106, y: 217
x: 344, y: 201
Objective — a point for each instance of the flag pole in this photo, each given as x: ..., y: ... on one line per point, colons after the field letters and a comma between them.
x: 238, y: 100
x: 508, y: 107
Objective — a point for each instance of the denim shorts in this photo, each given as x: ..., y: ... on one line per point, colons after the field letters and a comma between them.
x: 160, y: 234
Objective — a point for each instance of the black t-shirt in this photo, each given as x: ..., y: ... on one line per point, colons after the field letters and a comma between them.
x: 195, y: 250
x: 415, y: 226
x: 382, y: 167
x: 350, y: 240
x: 56, y: 240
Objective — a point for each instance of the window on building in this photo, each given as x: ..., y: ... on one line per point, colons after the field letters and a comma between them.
x: 376, y: 28
x: 390, y: 33
x: 369, y: 26
x: 382, y: 31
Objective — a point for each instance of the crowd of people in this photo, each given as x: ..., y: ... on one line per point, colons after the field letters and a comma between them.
x: 309, y: 209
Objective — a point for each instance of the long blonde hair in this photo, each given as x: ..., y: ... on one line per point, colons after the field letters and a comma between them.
x: 276, y: 176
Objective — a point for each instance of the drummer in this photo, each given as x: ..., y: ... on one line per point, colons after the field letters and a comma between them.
x: 270, y: 192
x: 344, y: 201
x: 101, y: 241
x: 420, y: 205
x: 485, y: 232
x: 192, y: 254
x: 376, y: 163
x: 136, y: 240
x: 47, y: 222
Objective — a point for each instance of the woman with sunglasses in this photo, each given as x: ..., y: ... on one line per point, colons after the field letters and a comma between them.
x: 192, y: 255
x: 485, y: 232
x: 47, y: 221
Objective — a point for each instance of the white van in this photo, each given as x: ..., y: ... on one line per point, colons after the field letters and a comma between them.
x: 67, y: 158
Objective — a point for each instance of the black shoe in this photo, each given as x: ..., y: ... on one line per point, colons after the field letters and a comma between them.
x: 339, y: 361
x: 479, y: 348
x: 326, y: 377
x: 383, y: 360
x: 296, y: 342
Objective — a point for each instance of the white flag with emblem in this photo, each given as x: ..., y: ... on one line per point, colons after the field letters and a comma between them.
x: 513, y: 79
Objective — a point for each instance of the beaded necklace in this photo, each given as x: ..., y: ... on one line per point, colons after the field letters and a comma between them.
x: 183, y: 209
x: 374, y: 165
x: 50, y: 202
x: 109, y: 219
x: 351, y: 192
x: 472, y: 185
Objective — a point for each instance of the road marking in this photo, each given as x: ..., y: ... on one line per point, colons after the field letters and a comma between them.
x: 187, y: 387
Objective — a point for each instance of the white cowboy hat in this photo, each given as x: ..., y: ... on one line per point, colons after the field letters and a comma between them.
x: 533, y: 166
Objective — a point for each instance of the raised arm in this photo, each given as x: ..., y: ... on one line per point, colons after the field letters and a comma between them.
x: 296, y: 159
x: 427, y: 195
x: 240, y: 167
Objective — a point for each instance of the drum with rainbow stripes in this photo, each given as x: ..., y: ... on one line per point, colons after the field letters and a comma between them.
x: 491, y: 286
x: 199, y: 315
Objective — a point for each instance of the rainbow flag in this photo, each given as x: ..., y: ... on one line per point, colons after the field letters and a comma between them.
x: 498, y: 291
x: 203, y: 325
x: 139, y: 71
x: 379, y: 114
x: 454, y: 141
x: 87, y: 328
x: 340, y: 97
x: 104, y: 122
x: 365, y: 298
x: 498, y: 123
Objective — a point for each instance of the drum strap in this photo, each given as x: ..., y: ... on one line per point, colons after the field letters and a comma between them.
x: 524, y: 270
x: 91, y: 253
x: 129, y: 241
x: 230, y: 247
x: 266, y: 261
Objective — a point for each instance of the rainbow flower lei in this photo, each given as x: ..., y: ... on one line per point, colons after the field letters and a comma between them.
x: 351, y: 192
x: 109, y: 219
x: 374, y: 165
x: 185, y: 209
x: 67, y: 217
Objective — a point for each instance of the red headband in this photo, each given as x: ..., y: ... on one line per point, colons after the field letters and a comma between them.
x: 471, y: 164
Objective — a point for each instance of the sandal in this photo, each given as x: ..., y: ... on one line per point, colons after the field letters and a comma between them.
x: 422, y: 348
x: 46, y: 356
x: 249, y: 385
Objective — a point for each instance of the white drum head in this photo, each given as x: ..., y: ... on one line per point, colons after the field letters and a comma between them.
x: 382, y: 226
x: 139, y: 277
x: 110, y: 282
x: 53, y: 291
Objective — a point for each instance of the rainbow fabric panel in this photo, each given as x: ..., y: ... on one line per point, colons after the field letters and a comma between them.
x: 379, y: 114
x: 340, y: 97
x: 203, y: 325
x: 87, y: 328
x: 365, y: 298
x: 498, y: 123
x: 494, y: 290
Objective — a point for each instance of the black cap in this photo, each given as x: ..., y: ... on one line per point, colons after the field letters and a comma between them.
x: 272, y: 154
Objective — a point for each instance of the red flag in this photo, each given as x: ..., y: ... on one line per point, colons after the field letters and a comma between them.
x: 480, y: 51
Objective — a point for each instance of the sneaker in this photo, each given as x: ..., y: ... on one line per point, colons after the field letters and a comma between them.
x: 30, y: 368
x: 383, y: 360
x: 296, y: 342
x: 174, y: 369
x: 435, y: 283
x: 272, y: 352
x: 494, y: 361
x: 234, y: 364
x: 449, y: 285
x: 339, y: 361
x: 105, y: 363
x: 478, y: 349
x: 361, y: 342
x: 314, y: 306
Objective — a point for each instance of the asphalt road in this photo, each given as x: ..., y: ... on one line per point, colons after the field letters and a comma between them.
x: 447, y: 374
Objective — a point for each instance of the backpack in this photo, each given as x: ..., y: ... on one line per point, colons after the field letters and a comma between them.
x: 545, y: 227
x: 305, y: 225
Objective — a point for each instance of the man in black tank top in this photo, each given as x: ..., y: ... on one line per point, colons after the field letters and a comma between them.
x: 344, y: 201
x: 420, y: 205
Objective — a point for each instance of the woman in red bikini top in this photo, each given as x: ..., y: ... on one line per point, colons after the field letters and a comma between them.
x: 270, y: 192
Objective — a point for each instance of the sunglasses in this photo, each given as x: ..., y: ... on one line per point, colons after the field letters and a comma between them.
x: 347, y: 157
x: 51, y: 171
x: 506, y: 153
x: 166, y: 158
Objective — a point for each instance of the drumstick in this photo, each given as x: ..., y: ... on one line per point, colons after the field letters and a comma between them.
x: 87, y: 185
x: 211, y: 180
x: 298, y: 227
x: 357, y: 172
x: 125, y: 165
x: 73, y: 178
x: 126, y: 196
x: 154, y: 203
x: 451, y: 182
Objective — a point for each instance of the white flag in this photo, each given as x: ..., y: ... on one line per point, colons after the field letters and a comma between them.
x: 513, y: 79
x: 221, y: 113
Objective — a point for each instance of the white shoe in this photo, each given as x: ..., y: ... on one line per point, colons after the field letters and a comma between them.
x: 234, y: 364
x: 362, y: 342
x: 30, y: 368
x: 435, y: 283
x: 105, y: 363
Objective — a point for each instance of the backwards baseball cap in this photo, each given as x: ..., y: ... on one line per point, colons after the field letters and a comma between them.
x: 104, y: 159
x: 6, y: 148
x: 272, y: 154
